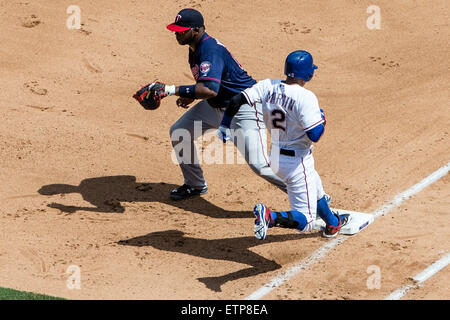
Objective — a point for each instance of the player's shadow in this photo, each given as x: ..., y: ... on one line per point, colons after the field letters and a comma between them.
x: 234, y: 249
x: 106, y: 194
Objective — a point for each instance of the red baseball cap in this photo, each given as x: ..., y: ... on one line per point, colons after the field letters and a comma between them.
x: 186, y: 19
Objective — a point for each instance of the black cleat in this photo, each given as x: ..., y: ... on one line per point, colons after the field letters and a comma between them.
x: 185, y: 191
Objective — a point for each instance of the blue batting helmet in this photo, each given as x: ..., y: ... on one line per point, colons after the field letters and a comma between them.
x: 299, y: 64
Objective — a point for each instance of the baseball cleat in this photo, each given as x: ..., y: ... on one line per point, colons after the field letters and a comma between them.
x: 331, y: 231
x: 262, y: 221
x: 185, y: 191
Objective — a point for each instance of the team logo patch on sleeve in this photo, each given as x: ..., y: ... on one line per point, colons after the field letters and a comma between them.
x: 205, y: 66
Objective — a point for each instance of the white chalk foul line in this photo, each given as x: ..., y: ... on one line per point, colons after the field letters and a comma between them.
x: 432, y: 178
x: 420, y: 278
x: 322, y: 251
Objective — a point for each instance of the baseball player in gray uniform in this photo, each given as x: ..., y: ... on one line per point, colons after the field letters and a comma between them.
x: 219, y: 77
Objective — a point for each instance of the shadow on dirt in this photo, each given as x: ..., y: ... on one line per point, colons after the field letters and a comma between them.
x: 107, y: 193
x: 233, y: 249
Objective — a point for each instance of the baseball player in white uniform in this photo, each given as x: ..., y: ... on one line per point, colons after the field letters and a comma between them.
x: 294, y: 120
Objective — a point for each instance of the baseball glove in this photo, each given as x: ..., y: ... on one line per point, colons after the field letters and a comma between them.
x: 150, y: 95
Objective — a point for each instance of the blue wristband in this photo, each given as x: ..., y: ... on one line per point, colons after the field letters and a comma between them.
x: 187, y: 91
x: 226, y: 120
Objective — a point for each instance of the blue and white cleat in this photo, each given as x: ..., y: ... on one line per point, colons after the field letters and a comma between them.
x: 262, y: 221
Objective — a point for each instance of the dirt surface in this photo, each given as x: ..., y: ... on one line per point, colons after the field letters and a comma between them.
x: 86, y: 172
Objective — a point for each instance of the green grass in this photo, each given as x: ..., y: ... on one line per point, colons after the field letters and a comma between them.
x: 10, y: 294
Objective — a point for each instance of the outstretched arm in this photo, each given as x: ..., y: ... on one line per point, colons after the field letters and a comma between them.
x: 233, y: 107
x: 150, y: 96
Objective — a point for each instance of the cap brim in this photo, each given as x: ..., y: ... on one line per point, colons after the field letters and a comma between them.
x: 176, y: 28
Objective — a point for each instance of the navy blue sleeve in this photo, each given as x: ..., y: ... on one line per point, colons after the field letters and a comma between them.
x: 210, y: 71
x: 315, y: 133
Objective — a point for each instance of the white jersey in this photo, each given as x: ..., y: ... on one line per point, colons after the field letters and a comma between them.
x: 289, y: 111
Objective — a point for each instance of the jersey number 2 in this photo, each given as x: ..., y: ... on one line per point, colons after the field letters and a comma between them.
x: 278, y: 119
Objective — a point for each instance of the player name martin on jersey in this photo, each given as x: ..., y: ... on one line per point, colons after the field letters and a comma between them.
x: 289, y: 110
x: 212, y: 62
x: 275, y: 98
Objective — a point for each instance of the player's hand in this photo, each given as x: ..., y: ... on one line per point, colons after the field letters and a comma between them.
x: 184, y: 102
x: 223, y: 133
x: 323, y: 116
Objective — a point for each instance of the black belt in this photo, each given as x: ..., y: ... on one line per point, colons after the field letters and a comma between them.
x: 287, y: 152
x: 290, y: 153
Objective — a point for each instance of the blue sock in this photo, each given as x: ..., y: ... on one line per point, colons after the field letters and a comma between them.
x: 296, y: 216
x: 274, y: 216
x: 323, y: 210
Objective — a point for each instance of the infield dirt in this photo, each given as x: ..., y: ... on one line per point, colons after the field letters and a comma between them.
x: 86, y: 172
